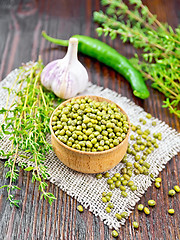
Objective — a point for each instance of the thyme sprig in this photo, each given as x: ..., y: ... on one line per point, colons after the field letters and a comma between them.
x: 26, y: 124
x: 160, y: 43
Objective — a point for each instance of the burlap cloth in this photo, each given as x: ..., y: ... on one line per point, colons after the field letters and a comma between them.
x: 85, y: 187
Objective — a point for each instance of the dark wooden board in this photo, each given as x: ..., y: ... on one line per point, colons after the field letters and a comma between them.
x: 21, y: 23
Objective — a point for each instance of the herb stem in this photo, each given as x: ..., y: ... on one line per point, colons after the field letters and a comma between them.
x: 12, y: 170
x: 44, y: 101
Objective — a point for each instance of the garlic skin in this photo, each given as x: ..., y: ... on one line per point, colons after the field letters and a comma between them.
x: 66, y: 77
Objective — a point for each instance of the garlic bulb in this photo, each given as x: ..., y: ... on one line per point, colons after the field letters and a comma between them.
x: 67, y: 76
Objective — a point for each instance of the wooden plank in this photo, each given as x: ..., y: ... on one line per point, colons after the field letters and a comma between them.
x: 21, y: 23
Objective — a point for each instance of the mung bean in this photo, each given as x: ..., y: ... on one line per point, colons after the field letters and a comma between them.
x: 177, y: 188
x: 115, y: 233
x: 151, y: 203
x: 135, y: 224
x: 147, y: 211
x: 80, y: 208
x: 171, y: 211
x: 140, y: 207
x: 118, y: 216
x: 171, y: 192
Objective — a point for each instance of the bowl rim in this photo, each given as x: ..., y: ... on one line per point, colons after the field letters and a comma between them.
x: 84, y: 152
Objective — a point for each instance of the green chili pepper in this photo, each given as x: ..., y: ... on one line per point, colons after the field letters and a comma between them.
x: 109, y: 56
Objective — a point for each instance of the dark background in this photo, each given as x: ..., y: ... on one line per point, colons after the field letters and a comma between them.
x: 21, y: 23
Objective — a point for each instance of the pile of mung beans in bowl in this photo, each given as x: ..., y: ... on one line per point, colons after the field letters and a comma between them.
x: 89, y: 134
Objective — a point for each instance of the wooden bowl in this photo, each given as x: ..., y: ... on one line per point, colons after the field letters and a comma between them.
x: 89, y: 162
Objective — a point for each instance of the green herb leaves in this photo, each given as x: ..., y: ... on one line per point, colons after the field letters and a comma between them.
x: 26, y: 124
x: 160, y: 44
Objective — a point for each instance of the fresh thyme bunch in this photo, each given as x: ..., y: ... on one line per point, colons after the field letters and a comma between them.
x: 26, y: 124
x: 160, y: 44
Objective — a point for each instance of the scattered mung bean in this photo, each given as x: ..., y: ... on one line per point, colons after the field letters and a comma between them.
x: 106, y: 175
x: 171, y: 211
x: 140, y: 207
x: 112, y: 186
x: 108, y: 209
x: 157, y: 184
x: 109, y: 194
x: 135, y: 224
x: 158, y: 180
x: 133, y: 188
x: 118, y: 216
x: 104, y: 199
x: 117, y: 183
x: 151, y: 203
x: 104, y: 194
x: 110, y: 205
x: 147, y: 211
x: 124, y: 214
x: 177, y: 188
x: 148, y: 116
x: 115, y: 233
x: 171, y: 192
x: 99, y: 176
x: 108, y: 198
x: 124, y: 194
x: 80, y: 208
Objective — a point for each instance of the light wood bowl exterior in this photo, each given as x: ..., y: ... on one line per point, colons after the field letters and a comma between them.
x: 89, y: 162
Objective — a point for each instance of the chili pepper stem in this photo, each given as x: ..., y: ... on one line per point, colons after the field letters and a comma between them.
x: 61, y: 42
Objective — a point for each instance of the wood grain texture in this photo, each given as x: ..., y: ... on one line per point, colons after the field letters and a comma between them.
x: 21, y: 23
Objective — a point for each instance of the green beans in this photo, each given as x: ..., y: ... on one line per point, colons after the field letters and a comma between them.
x: 89, y: 125
x: 151, y: 203
x: 104, y: 194
x: 126, y: 177
x: 109, y: 194
x: 130, y: 183
x: 118, y: 216
x: 124, y: 194
x: 133, y: 188
x: 110, y: 205
x: 171, y: 211
x: 80, y: 208
x: 158, y: 180
x: 114, y: 179
x: 147, y: 211
x: 140, y: 207
x: 122, y: 188
x: 149, y: 116
x: 108, y: 198
x: 157, y: 185
x: 104, y: 199
x: 114, y: 233
x: 154, y: 123
x: 99, y: 176
x: 177, y: 188
x: 135, y: 224
x: 117, y: 183
x: 117, y: 175
x: 147, y: 165
x: 106, y: 175
x: 112, y: 186
x: 171, y: 192
x: 136, y: 172
x: 124, y: 182
x: 108, y: 209
x: 132, y: 137
x: 124, y: 214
